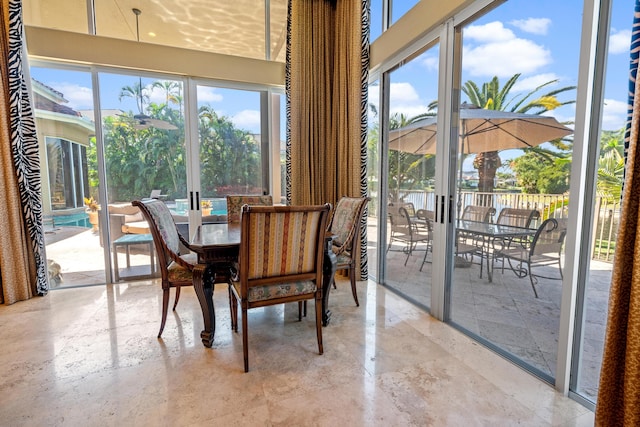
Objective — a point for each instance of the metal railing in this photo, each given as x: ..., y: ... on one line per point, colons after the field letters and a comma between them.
x: 607, y: 212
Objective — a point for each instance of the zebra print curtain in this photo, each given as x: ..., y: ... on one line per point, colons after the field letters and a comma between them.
x: 619, y: 391
x: 326, y: 83
x: 22, y: 268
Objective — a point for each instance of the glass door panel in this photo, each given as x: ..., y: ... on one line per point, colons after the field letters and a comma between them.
x: 66, y: 133
x: 145, y: 156
x: 229, y: 133
x: 513, y: 178
x: 412, y: 156
x: 606, y: 214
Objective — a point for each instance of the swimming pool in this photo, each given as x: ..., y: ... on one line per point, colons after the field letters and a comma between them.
x: 80, y: 219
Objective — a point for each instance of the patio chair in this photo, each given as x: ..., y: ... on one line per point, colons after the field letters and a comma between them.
x: 280, y: 261
x: 404, y: 230
x: 478, y: 213
x: 176, y: 270
x: 545, y: 250
x: 522, y: 218
x: 236, y: 201
x: 467, y: 244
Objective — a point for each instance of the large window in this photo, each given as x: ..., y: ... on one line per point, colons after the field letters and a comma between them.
x: 67, y: 167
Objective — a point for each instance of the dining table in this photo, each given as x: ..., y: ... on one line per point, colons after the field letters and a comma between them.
x: 217, y: 247
x: 487, y: 235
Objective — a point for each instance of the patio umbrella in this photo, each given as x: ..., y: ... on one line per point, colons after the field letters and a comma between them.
x: 482, y: 130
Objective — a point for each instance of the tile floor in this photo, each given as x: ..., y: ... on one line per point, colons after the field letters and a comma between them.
x: 89, y: 357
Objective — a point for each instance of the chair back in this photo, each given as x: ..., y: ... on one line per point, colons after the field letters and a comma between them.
x: 164, y: 232
x: 283, y: 242
x: 550, y: 237
x: 236, y: 201
x: 517, y: 217
x: 478, y: 213
x: 345, y: 223
x: 399, y: 219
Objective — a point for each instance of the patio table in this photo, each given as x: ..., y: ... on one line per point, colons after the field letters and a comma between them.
x: 488, y: 234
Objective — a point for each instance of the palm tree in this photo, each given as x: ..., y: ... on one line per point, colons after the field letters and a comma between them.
x: 137, y: 92
x: 493, y: 97
x: 611, y: 165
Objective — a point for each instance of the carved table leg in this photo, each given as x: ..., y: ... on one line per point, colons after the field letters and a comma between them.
x: 203, y: 283
x: 329, y: 271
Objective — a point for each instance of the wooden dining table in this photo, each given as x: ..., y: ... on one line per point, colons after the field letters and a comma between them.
x: 218, y: 246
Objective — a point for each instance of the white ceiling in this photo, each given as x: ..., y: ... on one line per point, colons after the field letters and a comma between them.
x: 229, y: 27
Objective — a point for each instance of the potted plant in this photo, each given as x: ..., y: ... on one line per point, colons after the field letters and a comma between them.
x: 92, y: 210
x: 206, y: 207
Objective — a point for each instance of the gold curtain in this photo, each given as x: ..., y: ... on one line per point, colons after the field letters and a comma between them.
x: 324, y: 89
x: 619, y: 391
x: 20, y: 277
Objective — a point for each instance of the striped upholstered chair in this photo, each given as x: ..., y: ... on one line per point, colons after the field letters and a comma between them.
x: 280, y: 261
x: 236, y: 201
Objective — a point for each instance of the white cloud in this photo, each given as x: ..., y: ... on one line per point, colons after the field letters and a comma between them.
x: 530, y: 83
x: 208, y: 94
x: 538, y: 26
x: 487, y: 33
x: 247, y: 119
x: 500, y: 53
x: 431, y: 63
x: 620, y: 41
x: 403, y: 100
x: 614, y: 114
x: 79, y: 97
x: 504, y: 59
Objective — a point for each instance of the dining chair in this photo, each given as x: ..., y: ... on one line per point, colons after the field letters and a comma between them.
x: 345, y: 226
x: 467, y: 244
x: 545, y: 250
x: 404, y: 230
x: 176, y: 270
x: 478, y: 213
x: 280, y: 261
x: 515, y: 217
x: 236, y: 201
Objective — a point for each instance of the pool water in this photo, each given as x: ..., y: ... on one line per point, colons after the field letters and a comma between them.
x: 80, y: 219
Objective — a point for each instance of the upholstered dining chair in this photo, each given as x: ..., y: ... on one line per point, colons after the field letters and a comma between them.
x: 345, y: 226
x: 236, y: 201
x: 176, y: 270
x: 280, y: 261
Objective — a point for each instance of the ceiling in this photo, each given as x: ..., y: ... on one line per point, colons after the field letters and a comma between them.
x: 228, y: 27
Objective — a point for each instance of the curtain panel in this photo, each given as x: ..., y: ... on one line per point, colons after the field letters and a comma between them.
x: 326, y: 84
x: 619, y: 390
x: 22, y: 260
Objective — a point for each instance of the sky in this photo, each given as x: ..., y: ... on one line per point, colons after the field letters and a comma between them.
x: 539, y: 39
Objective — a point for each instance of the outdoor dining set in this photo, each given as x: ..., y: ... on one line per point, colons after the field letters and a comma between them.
x: 517, y: 238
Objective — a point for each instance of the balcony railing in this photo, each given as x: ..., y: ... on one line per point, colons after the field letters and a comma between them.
x: 607, y: 213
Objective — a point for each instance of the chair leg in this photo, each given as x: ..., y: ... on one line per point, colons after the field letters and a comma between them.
x: 175, y: 303
x: 319, y: 324
x: 535, y: 292
x: 233, y: 308
x: 245, y: 339
x: 352, y: 278
x: 165, y: 307
x: 299, y: 311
